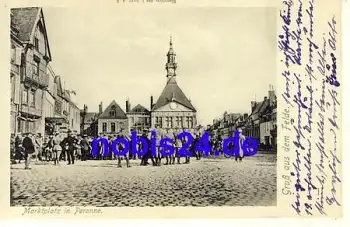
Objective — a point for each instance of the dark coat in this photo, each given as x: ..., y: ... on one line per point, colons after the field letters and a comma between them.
x: 70, y: 142
x: 85, y: 145
x: 28, y: 145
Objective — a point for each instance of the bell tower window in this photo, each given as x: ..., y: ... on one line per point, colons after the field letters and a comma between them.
x: 171, y: 65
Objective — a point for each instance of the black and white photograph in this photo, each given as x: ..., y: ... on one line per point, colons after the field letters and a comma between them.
x: 81, y: 75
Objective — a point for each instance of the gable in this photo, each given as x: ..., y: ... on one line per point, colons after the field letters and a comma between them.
x: 29, y: 21
x: 139, y: 109
x: 113, y: 111
x: 180, y: 107
x: 41, y: 34
x: 172, y: 92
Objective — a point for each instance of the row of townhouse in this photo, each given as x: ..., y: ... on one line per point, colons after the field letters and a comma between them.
x: 114, y: 119
x: 260, y: 124
x: 39, y: 104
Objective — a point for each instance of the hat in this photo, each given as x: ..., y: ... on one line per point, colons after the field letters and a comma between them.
x: 69, y: 131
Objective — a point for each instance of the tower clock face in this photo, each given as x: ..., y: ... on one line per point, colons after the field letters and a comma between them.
x: 173, y: 105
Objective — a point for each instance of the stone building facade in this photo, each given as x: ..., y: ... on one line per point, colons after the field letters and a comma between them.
x: 112, y: 120
x: 31, y: 65
x: 138, y: 117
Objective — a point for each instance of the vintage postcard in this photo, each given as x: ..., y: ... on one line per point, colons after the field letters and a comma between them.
x: 172, y: 109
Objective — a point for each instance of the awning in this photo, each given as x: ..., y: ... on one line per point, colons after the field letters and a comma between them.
x: 26, y: 119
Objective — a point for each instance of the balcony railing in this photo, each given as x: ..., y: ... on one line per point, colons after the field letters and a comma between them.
x: 30, y: 110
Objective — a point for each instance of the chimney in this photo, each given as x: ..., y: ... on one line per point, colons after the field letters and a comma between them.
x: 151, y: 102
x: 85, y: 108
x: 127, y: 106
x: 265, y: 98
x: 100, y: 108
x: 272, y: 96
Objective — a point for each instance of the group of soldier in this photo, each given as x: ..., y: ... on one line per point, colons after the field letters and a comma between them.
x: 155, y: 157
x: 69, y: 147
x: 56, y: 147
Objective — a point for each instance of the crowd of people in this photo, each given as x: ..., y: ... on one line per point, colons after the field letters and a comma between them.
x: 71, y: 147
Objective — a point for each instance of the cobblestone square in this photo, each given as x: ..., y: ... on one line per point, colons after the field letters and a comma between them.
x: 206, y: 182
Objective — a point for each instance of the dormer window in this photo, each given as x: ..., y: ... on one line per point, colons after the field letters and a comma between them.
x: 113, y: 111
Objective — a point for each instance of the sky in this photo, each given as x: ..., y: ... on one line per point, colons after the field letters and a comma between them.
x: 226, y: 56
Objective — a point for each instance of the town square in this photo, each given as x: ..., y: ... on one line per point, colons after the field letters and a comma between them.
x: 109, y: 83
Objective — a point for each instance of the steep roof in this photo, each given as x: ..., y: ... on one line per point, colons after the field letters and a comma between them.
x: 24, y: 19
x: 119, y: 113
x: 257, y: 107
x: 172, y: 90
x: 139, y: 109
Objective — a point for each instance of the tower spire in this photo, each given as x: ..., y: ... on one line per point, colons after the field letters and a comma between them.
x: 171, y: 64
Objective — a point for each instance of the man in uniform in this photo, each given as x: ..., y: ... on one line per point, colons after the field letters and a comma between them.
x: 121, y: 147
x: 19, y: 150
x: 157, y: 155
x: 85, y: 148
x: 70, y: 142
x: 29, y: 149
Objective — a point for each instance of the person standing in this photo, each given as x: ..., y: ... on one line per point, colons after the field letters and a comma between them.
x: 49, y: 149
x: 57, y: 148
x: 120, y: 149
x: 85, y: 148
x: 145, y: 157
x: 240, y: 154
x: 212, y: 145
x: 70, y: 142
x: 38, y: 147
x: 19, y: 150
x: 78, y: 147
x: 29, y: 149
x: 198, y: 154
x: 178, y: 145
x: 159, y: 136
x: 149, y: 153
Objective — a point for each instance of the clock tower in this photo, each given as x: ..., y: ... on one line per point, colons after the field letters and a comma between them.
x: 173, y: 110
x: 171, y: 65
